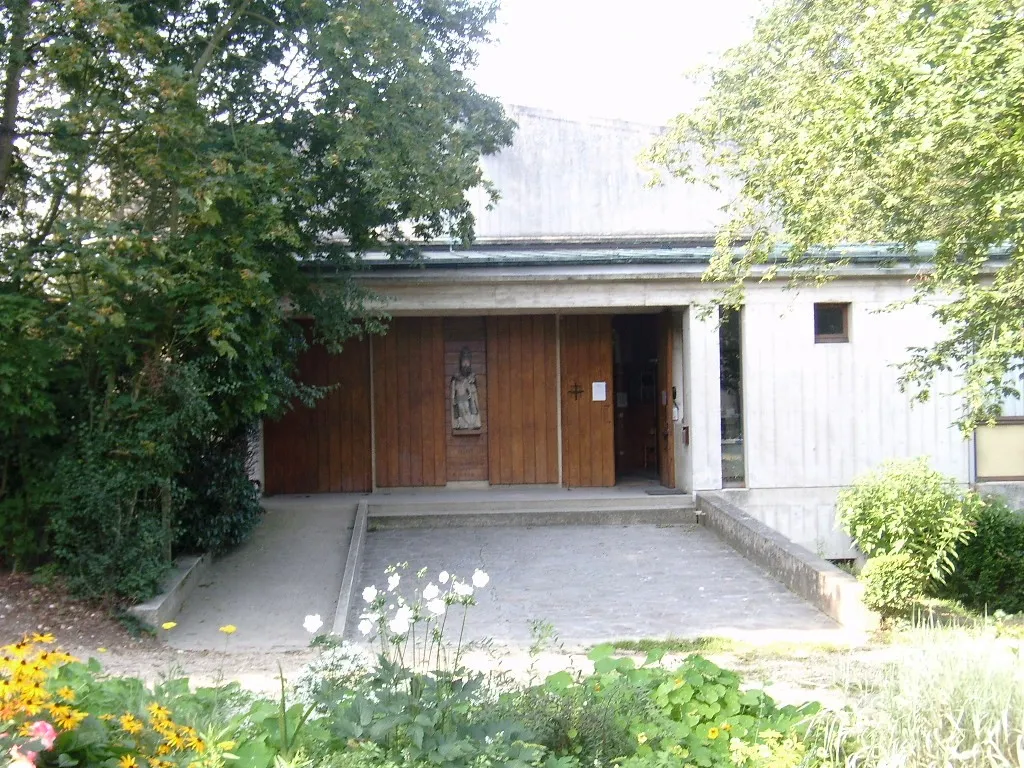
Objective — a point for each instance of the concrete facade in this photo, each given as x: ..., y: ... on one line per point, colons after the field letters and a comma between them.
x: 578, y: 229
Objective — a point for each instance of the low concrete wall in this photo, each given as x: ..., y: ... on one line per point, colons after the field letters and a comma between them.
x: 834, y: 592
x: 188, y: 571
x: 353, y: 563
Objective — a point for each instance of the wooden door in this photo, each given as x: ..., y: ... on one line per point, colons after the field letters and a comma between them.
x: 324, y: 449
x: 666, y: 426
x: 521, y: 363
x: 588, y: 434
x: 409, y: 403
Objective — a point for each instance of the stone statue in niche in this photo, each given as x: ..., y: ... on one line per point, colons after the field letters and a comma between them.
x: 465, y: 401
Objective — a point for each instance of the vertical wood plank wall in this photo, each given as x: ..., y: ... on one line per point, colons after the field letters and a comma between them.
x: 588, y: 434
x: 409, y: 403
x: 325, y: 449
x: 466, y: 454
x: 523, y: 432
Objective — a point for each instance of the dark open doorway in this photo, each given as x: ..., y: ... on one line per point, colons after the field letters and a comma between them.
x: 636, y: 397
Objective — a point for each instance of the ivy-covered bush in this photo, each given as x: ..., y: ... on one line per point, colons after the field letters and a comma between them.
x: 989, y: 575
x: 906, y: 508
x: 216, y: 506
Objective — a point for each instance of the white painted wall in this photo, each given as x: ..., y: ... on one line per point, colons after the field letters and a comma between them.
x: 702, y: 401
x: 817, y: 415
x: 1014, y: 406
x: 564, y: 179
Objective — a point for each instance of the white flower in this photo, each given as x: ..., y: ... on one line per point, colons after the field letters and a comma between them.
x: 480, y: 579
x: 430, y: 591
x: 399, y: 625
x: 312, y: 623
x: 442, y: 577
x: 436, y: 606
x: 404, y: 613
x: 393, y: 580
x: 365, y: 626
x: 370, y: 594
x: 462, y: 589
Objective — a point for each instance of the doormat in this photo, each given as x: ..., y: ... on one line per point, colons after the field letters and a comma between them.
x: 665, y: 492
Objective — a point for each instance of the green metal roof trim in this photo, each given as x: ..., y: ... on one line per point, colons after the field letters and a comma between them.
x: 878, y: 256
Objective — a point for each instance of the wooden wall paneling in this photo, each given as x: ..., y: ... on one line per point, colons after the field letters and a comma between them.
x: 522, y: 400
x: 324, y: 449
x: 588, y: 436
x: 408, y: 404
x: 466, y: 455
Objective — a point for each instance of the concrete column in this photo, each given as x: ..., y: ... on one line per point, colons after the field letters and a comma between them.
x: 702, y: 407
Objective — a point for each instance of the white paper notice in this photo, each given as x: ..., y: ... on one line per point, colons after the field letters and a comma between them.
x: 599, y: 391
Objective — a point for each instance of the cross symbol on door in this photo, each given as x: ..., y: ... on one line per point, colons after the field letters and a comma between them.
x: 575, y: 390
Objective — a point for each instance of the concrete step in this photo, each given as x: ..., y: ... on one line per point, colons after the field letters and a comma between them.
x: 384, y: 515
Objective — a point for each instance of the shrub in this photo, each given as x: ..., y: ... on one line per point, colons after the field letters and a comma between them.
x: 217, y: 506
x: 909, y: 508
x: 990, y: 572
x: 892, y: 583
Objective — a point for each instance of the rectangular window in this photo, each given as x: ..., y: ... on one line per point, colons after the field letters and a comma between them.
x: 831, y: 323
x: 999, y: 450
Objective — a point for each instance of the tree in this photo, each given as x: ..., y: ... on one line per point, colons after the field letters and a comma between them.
x: 889, y: 121
x: 175, y: 178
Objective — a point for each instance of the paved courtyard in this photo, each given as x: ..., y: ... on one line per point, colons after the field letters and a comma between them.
x: 598, y: 583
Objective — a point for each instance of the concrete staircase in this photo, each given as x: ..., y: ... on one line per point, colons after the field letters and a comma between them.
x: 556, y: 509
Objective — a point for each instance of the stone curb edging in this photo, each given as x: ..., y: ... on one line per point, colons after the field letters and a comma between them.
x: 349, y: 580
x: 188, y: 571
x: 832, y: 591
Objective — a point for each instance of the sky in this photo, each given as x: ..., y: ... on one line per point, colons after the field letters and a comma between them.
x: 619, y: 59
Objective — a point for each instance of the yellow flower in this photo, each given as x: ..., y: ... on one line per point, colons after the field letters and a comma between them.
x: 128, y: 761
x: 642, y: 738
x: 712, y: 733
x: 228, y: 629
x: 169, y: 624
x: 44, y: 638
x: 131, y: 724
x: 227, y: 746
x: 726, y: 727
x: 68, y: 694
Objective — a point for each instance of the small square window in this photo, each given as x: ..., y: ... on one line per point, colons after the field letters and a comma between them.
x: 831, y: 323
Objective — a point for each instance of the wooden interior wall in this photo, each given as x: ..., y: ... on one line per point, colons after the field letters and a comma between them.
x: 409, y: 397
x: 666, y: 427
x: 523, y: 434
x: 325, y: 449
x: 466, y: 454
x: 588, y: 434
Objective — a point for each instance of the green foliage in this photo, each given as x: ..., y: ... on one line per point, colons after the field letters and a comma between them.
x: 844, y: 122
x: 686, y: 715
x: 989, y: 575
x: 218, y: 506
x: 908, y: 508
x: 169, y: 172
x: 583, y: 722
x: 893, y: 582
